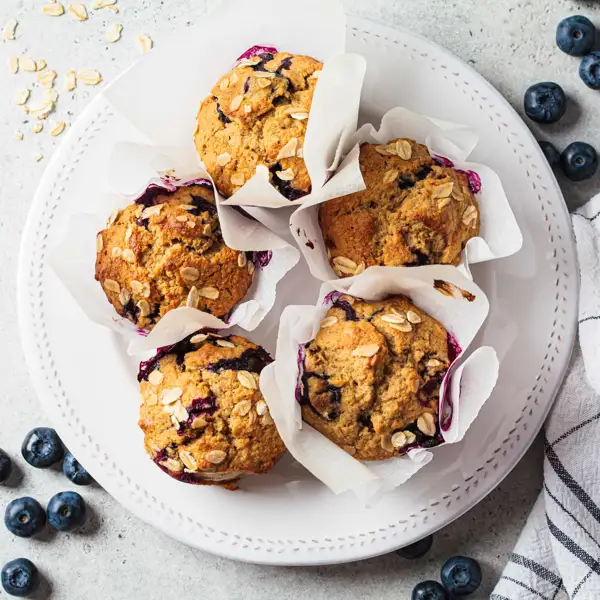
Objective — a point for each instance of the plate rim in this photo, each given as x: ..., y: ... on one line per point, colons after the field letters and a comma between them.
x: 323, y: 553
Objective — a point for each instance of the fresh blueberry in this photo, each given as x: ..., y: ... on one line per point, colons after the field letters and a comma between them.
x: 589, y: 70
x: 42, y: 448
x: 579, y: 161
x: 20, y: 577
x: 24, y: 517
x: 5, y: 466
x: 576, y: 35
x: 74, y: 471
x: 66, y: 511
x: 551, y: 153
x: 461, y: 575
x: 416, y: 550
x: 545, y: 102
x: 429, y: 590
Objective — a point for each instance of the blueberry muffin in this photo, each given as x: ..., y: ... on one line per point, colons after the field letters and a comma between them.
x: 257, y: 114
x: 203, y: 416
x: 372, y: 375
x: 167, y: 251
x: 412, y: 212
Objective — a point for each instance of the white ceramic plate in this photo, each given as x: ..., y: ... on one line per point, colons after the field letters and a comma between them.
x: 87, y: 382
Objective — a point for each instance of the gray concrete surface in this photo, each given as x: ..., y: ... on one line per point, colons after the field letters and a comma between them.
x: 117, y: 557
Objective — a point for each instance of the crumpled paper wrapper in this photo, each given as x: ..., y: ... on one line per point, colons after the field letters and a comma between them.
x: 459, y: 304
x: 132, y: 169
x: 499, y: 236
x: 162, y: 93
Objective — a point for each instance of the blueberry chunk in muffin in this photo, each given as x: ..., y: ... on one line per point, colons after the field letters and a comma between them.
x: 166, y: 251
x: 257, y: 114
x: 204, y: 418
x: 371, y: 377
x: 413, y: 212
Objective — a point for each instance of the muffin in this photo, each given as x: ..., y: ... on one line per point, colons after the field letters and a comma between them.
x: 371, y: 377
x: 412, y: 212
x: 257, y: 114
x: 203, y: 416
x: 166, y: 251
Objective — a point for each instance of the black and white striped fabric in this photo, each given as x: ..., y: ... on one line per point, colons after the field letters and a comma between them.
x: 557, y: 556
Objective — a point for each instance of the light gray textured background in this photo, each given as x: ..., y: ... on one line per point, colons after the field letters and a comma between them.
x: 117, y: 556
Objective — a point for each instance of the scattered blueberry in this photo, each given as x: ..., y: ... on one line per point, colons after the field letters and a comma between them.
x: 66, y: 511
x: 20, y: 577
x: 416, y: 550
x: 576, y: 35
x: 579, y: 161
x: 589, y: 70
x: 545, y: 102
x: 74, y: 471
x: 551, y: 153
x: 429, y: 590
x: 461, y: 575
x: 5, y: 466
x: 42, y: 447
x: 24, y: 517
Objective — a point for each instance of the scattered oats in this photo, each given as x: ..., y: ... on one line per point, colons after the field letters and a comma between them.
x: 457, y: 194
x: 360, y: 268
x: 223, y: 159
x: 128, y: 233
x: 97, y: 4
x: 50, y: 95
x: 247, y: 380
x: 390, y: 176
x: 209, y: 292
x: 382, y: 150
x: 181, y: 218
x: 410, y: 437
x: 403, y: 327
x: 146, y: 290
x: 113, y: 33
x: 116, y: 252
x: 191, y: 224
x: 224, y: 83
x: 386, y: 443
x: 9, y: 29
x: 112, y: 285
x: 22, y: 96
x: 124, y: 296
x: 236, y: 102
x: 99, y: 243
x: 399, y: 439
x: 13, y: 65
x: 57, y: 128
x: 37, y: 127
x: 170, y: 395
x: 345, y: 264
x: 180, y: 413
x: 54, y: 10
x: 288, y: 151
x: 199, y: 423
x: 444, y: 202
x: 70, y: 81
x: 315, y: 75
x: 393, y: 318
x: 174, y: 421
x: 41, y: 64
x: 413, y: 316
x: 78, y: 11
x: 188, y: 460
x: 37, y: 156
x: 25, y: 110
x: 144, y: 308
x: 367, y: 351
x: 469, y: 215
x: 242, y: 259
x: 225, y: 344
x: 136, y: 286
x: 156, y: 377
x: 216, y: 456
x: 247, y: 108
x: 234, y: 78
x: 433, y: 363
x: 189, y: 273
x: 27, y: 64
x: 403, y: 149
x: 207, y: 229
x: 300, y: 115
x: 128, y: 255
x: 243, y: 408
x: 171, y: 465
x: 41, y: 111
x: 261, y: 408
x: 152, y: 399
x: 144, y: 43
x: 18, y: 136
x: 264, y: 83
x: 267, y: 419
x: 249, y: 62
x: 329, y: 321
x: 251, y: 267
x: 152, y: 210
x: 426, y: 424
x: 193, y: 297
x: 89, y: 77
x: 187, y: 206
x: 442, y: 191
x: 199, y: 338
x: 300, y: 153
x: 264, y: 75
x: 286, y: 175
x: 238, y: 179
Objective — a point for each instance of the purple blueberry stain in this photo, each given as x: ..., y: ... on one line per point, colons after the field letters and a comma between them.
x: 300, y: 390
x: 446, y: 405
x: 261, y: 258
x: 257, y: 51
x: 442, y: 161
x: 198, y: 407
x: 474, y: 180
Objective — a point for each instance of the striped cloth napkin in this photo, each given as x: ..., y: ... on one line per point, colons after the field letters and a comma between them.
x: 557, y: 556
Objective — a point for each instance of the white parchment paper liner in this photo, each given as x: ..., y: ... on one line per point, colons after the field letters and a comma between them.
x: 132, y: 168
x: 471, y: 382
x: 499, y: 236
x: 162, y: 93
